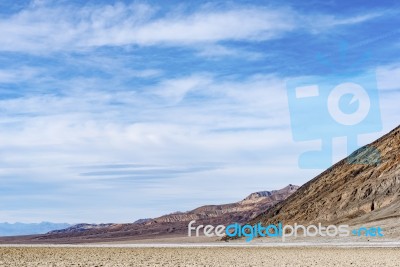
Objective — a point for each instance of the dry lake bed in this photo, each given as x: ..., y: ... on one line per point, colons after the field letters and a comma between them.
x: 198, y: 256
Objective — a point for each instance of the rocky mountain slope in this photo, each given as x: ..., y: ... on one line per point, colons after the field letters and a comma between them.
x: 240, y: 211
x: 362, y: 188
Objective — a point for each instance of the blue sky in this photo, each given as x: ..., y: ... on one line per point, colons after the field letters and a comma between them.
x: 115, y: 111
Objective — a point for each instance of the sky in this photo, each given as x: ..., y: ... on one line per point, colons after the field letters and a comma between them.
x: 116, y: 111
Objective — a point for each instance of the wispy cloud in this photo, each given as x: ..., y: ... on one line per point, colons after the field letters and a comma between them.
x: 174, y: 90
x: 19, y: 74
x: 45, y: 28
x: 329, y: 21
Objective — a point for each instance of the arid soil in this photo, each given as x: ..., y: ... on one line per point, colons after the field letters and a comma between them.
x: 219, y: 256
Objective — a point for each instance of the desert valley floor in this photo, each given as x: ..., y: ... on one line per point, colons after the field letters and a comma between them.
x: 198, y: 256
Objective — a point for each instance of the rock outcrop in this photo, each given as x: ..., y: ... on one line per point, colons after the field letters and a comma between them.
x: 241, y: 211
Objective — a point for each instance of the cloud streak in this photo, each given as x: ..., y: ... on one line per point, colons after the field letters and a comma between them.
x: 46, y: 28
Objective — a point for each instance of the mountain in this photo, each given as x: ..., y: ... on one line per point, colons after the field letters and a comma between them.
x: 14, y: 229
x: 140, y: 221
x: 81, y: 227
x: 365, y: 187
x: 168, y: 225
x: 241, y: 211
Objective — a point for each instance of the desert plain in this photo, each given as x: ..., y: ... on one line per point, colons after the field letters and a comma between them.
x: 21, y: 256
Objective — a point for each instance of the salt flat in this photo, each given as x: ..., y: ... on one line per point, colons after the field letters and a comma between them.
x: 197, y: 256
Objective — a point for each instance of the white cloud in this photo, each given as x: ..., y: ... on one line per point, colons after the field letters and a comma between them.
x: 320, y: 23
x: 331, y: 21
x: 216, y: 51
x: 45, y: 28
x: 85, y: 128
x: 42, y: 28
x: 174, y: 90
x: 18, y: 74
x: 46, y: 137
x: 246, y: 23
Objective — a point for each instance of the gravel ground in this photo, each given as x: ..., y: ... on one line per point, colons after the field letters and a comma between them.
x: 217, y: 256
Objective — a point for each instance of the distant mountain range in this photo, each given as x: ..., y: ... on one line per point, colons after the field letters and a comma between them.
x: 241, y: 211
x: 82, y: 227
x: 14, y: 229
x: 171, y: 224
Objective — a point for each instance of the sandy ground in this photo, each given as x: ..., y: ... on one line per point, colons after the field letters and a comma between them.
x: 198, y: 256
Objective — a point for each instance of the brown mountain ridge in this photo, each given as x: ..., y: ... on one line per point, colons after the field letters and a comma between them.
x: 240, y: 212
